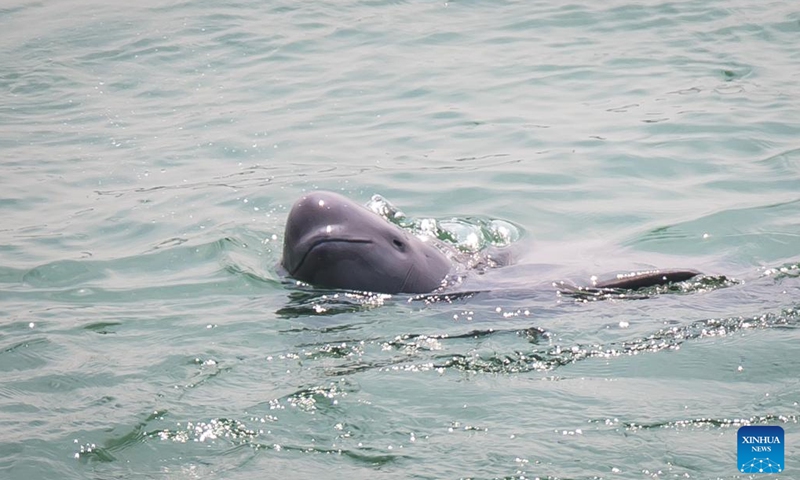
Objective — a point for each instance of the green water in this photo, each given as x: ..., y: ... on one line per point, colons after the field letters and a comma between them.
x: 150, y: 152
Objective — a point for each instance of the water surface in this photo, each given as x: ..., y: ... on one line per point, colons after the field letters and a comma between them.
x: 151, y: 150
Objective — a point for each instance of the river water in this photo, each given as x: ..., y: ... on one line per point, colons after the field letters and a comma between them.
x: 150, y: 153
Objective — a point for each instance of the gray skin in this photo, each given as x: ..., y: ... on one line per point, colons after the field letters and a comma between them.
x: 331, y: 241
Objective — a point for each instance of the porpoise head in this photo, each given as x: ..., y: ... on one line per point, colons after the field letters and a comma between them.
x: 331, y: 241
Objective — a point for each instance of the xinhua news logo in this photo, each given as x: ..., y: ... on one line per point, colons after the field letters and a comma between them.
x: 760, y: 449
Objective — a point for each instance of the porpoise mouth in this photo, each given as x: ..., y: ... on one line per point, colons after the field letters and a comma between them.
x: 322, y: 241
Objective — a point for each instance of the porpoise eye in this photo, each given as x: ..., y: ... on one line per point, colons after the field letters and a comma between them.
x: 399, y: 244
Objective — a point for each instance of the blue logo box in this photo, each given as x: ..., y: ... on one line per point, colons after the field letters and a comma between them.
x: 760, y: 449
